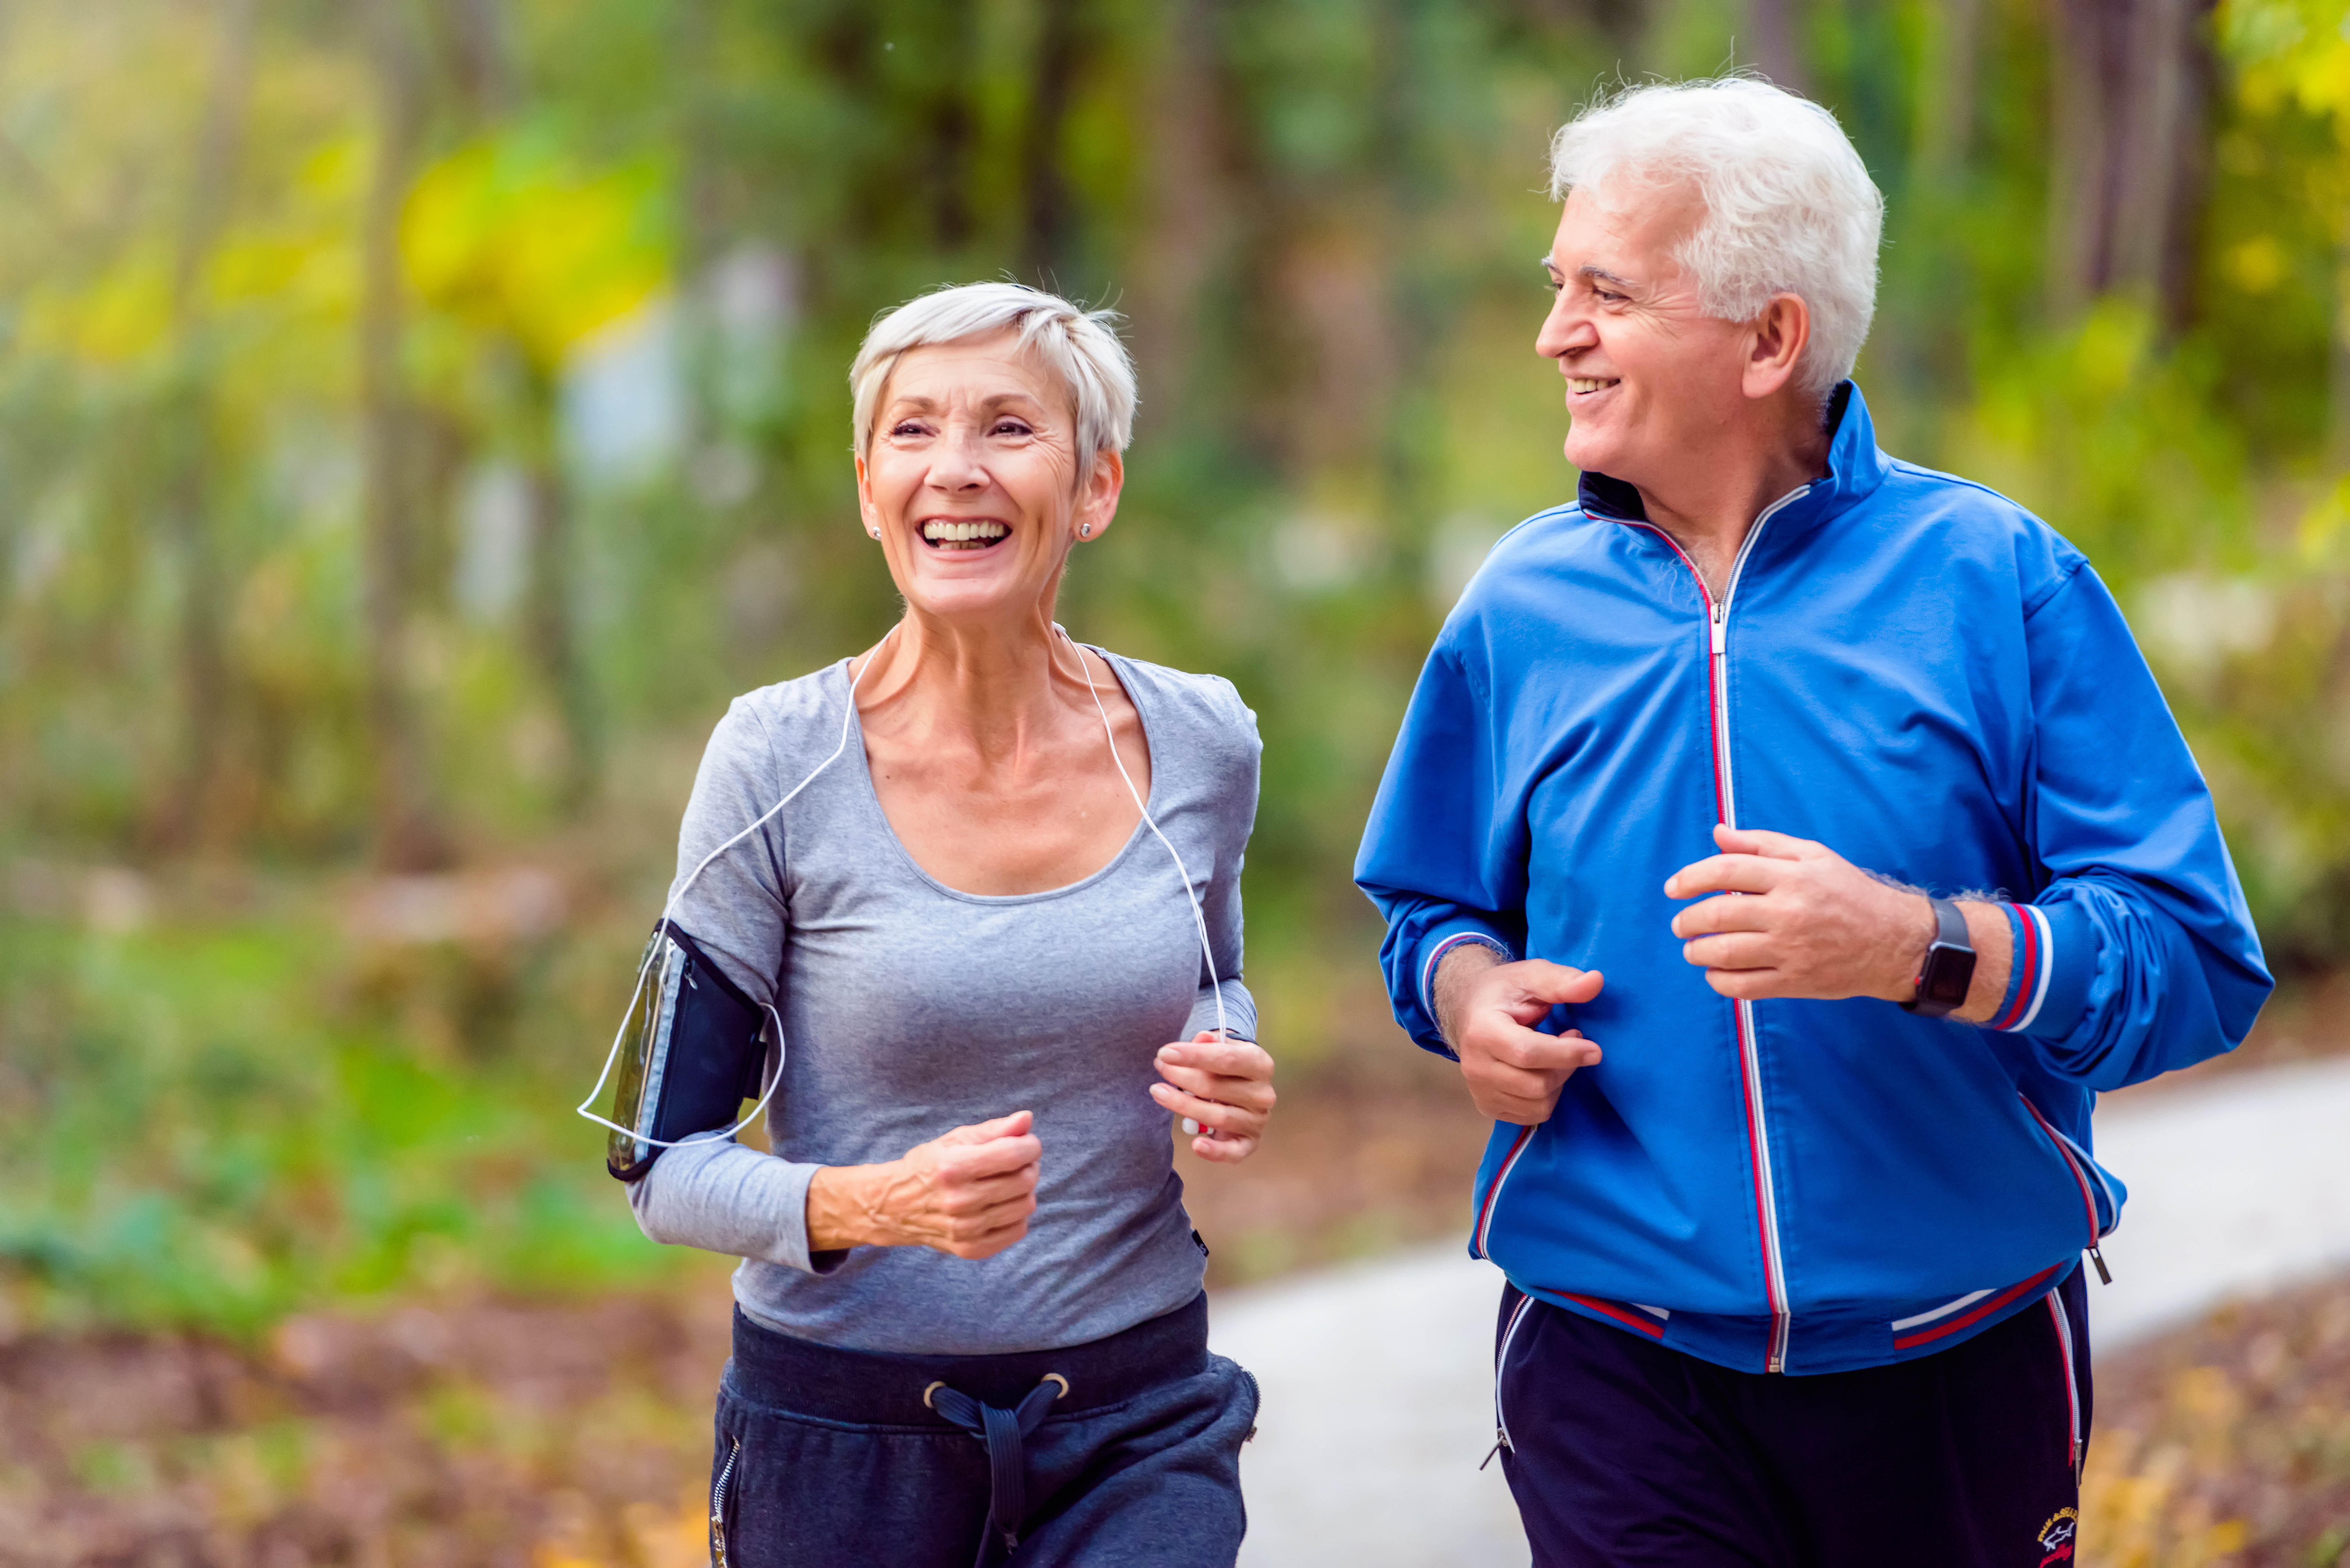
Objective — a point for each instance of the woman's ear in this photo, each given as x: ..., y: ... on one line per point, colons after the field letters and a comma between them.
x: 865, y: 507
x: 1776, y: 344
x: 1097, y: 499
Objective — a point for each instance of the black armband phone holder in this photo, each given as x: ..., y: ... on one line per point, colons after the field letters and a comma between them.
x: 692, y: 1052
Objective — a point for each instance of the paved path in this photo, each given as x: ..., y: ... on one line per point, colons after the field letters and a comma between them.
x: 1377, y: 1379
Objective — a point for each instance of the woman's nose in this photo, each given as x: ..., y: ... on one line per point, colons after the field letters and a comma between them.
x: 956, y: 464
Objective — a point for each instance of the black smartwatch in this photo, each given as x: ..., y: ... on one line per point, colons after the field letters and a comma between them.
x: 1950, y: 966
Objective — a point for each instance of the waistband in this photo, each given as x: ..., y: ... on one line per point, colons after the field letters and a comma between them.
x: 880, y: 1388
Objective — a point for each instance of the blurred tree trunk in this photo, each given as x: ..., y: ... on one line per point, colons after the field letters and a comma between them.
x: 1776, y: 44
x: 478, y: 29
x: 2337, y: 359
x: 189, y: 818
x: 2131, y: 80
x: 1191, y: 218
x: 549, y: 614
x: 1946, y: 93
x: 406, y: 837
x: 701, y: 223
x: 1047, y: 227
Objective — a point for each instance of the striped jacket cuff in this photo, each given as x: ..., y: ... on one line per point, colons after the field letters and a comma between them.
x: 1442, y: 941
x: 2055, y: 958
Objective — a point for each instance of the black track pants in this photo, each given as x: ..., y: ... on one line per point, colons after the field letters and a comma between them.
x: 1624, y: 1454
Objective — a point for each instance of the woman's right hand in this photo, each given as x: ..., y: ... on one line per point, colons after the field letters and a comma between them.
x: 967, y: 1193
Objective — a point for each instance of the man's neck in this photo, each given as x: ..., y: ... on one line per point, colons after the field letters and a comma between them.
x: 1708, y: 508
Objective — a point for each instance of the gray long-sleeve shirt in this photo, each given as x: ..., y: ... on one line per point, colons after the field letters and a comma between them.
x: 910, y: 1009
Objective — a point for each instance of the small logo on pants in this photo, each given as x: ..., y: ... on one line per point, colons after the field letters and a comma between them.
x: 2056, y: 1536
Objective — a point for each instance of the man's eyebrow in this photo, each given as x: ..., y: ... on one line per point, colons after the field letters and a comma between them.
x: 1601, y: 275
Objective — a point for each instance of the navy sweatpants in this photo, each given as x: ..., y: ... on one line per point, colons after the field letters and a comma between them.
x: 836, y: 1457
x: 1625, y: 1454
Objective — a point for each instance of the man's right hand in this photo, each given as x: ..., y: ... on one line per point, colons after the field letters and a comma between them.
x: 1487, y: 1009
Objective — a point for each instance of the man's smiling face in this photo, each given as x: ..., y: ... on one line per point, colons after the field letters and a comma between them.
x: 1650, y: 377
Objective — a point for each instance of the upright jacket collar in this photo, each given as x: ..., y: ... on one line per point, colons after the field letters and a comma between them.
x: 1856, y: 468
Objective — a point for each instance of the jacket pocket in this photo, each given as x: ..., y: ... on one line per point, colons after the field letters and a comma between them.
x: 1479, y: 1237
x: 2101, y: 1195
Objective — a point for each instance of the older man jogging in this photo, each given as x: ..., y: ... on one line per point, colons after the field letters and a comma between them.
x: 1849, y: 777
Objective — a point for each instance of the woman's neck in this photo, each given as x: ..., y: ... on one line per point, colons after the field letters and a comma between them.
x: 996, y: 688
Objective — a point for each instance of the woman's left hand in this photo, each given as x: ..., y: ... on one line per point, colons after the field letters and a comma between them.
x: 1225, y: 1086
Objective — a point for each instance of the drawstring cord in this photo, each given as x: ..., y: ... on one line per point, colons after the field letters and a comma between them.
x: 1005, y: 1433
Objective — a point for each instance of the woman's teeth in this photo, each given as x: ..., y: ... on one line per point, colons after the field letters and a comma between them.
x: 1586, y: 384
x: 962, y: 535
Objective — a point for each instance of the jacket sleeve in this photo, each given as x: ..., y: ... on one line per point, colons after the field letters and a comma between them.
x: 1443, y: 856
x: 2136, y: 954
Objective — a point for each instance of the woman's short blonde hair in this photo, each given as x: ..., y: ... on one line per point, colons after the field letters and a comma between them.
x: 1081, y: 345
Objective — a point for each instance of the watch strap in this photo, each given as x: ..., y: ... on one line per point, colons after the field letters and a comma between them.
x: 1949, y: 965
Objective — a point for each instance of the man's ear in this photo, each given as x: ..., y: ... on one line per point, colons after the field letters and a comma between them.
x: 1775, y: 344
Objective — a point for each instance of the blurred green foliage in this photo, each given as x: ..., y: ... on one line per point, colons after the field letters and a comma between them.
x: 417, y: 417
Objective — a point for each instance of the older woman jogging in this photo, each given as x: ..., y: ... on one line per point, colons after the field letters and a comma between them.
x: 967, y: 906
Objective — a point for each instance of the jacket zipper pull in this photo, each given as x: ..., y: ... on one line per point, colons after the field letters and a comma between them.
x: 1500, y: 1441
x: 1721, y: 631
x: 2104, y: 1273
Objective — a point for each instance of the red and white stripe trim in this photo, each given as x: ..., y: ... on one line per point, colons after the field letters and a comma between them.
x: 1944, y: 1310
x: 1614, y: 1312
x: 1975, y: 1314
x: 2034, y: 961
x: 1492, y: 1194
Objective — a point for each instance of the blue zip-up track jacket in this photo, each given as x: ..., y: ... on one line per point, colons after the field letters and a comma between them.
x: 1922, y: 676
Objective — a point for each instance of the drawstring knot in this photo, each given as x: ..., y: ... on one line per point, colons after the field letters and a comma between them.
x: 1005, y: 1433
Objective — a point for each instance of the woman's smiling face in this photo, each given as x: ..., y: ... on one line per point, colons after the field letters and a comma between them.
x: 970, y: 479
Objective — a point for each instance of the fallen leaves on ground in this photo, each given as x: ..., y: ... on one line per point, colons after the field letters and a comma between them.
x: 2227, y: 1442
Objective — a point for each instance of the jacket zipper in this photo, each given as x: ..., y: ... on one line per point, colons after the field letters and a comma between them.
x: 1502, y: 1365
x: 1725, y: 796
x: 1494, y: 1193
x: 718, y: 1503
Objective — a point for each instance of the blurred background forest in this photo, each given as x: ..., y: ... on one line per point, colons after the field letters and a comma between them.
x: 417, y: 417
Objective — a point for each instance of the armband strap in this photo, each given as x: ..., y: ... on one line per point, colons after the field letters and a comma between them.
x: 693, y: 1052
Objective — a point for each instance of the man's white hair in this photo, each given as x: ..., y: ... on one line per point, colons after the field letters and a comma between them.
x: 1789, y: 207
x: 1081, y: 346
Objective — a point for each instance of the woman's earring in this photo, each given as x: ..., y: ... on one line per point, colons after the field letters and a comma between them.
x: 1085, y: 530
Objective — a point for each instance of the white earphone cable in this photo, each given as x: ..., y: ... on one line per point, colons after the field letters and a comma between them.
x: 1191, y: 896
x: 848, y: 720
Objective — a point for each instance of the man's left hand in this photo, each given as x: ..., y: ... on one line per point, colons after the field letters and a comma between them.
x: 1808, y: 922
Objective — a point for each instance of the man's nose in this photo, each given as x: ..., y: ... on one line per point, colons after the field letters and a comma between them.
x: 1565, y: 329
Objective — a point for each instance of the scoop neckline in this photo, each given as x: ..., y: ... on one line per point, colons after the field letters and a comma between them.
x: 906, y: 855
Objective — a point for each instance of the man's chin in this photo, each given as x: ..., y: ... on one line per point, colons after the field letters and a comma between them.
x: 1590, y: 450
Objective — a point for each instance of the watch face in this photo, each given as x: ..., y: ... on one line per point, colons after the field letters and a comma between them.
x: 1949, y: 972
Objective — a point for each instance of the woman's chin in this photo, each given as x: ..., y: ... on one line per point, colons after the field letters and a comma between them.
x: 970, y: 592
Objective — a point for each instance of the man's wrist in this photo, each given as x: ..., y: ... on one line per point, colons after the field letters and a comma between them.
x: 1918, y: 928
x: 1994, y: 945
x: 1456, y: 971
